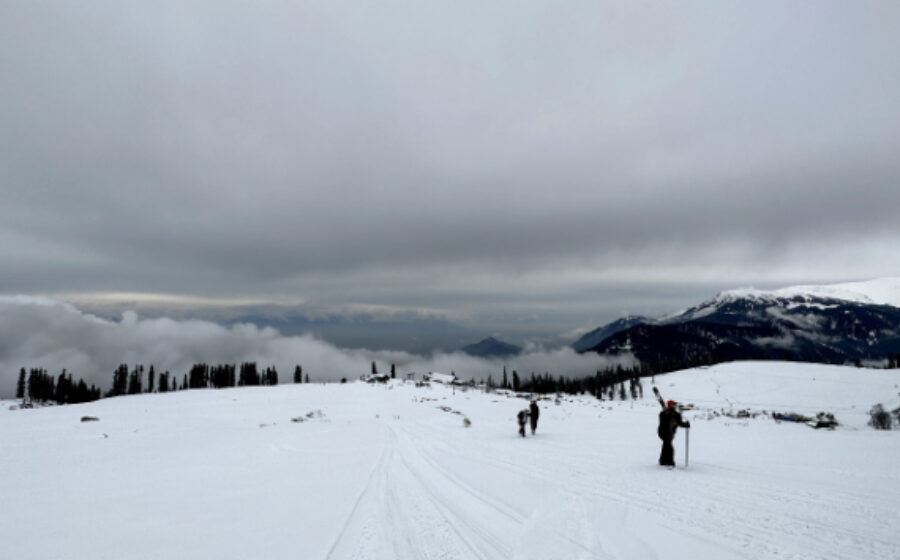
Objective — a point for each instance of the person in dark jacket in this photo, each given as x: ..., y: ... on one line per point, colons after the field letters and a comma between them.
x: 669, y: 421
x: 534, y: 412
x: 522, y: 417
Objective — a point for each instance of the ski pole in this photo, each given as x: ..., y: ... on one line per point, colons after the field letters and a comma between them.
x: 687, y: 438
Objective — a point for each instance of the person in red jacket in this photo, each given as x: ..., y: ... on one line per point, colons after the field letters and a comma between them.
x: 669, y: 421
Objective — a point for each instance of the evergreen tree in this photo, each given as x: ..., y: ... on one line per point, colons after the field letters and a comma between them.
x: 20, y: 386
x: 505, y: 384
x: 298, y: 374
x: 222, y: 376
x: 120, y: 381
x: 516, y: 383
x: 199, y: 376
x: 136, y: 381
x: 82, y: 393
x: 249, y: 376
x: 151, y: 378
x: 41, y: 386
x: 307, y: 378
x: 393, y: 371
x: 62, y: 388
x: 374, y: 369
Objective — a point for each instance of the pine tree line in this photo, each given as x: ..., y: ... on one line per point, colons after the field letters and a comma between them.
x: 200, y: 376
x: 609, y: 383
x: 40, y: 386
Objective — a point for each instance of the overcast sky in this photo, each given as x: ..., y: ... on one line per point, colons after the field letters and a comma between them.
x: 500, y: 164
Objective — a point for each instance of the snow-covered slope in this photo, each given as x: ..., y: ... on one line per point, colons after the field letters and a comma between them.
x: 882, y: 291
x: 389, y: 471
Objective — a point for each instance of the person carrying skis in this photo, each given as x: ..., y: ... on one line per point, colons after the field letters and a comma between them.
x: 534, y: 412
x: 522, y: 417
x: 669, y: 421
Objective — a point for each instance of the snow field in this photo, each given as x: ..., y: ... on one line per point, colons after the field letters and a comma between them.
x: 390, y: 472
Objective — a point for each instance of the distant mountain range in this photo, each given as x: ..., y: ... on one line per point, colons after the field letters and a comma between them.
x: 490, y: 347
x: 842, y: 323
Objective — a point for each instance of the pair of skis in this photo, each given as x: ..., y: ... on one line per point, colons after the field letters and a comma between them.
x: 687, y: 431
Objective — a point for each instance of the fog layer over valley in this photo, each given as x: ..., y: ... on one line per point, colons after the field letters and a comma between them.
x: 44, y: 333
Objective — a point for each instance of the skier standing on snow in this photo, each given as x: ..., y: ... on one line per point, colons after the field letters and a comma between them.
x: 669, y: 421
x: 534, y: 412
x: 522, y: 418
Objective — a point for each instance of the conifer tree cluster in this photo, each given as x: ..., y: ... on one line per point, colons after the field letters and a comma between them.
x: 40, y: 386
x: 127, y: 383
x: 612, y: 383
x: 250, y: 376
x: 200, y: 376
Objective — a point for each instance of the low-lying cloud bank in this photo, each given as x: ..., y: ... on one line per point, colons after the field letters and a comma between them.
x: 45, y: 333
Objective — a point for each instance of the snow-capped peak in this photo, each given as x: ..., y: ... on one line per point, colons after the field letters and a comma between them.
x: 881, y: 291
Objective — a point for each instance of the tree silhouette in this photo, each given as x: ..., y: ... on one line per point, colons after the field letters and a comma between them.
x: 20, y: 386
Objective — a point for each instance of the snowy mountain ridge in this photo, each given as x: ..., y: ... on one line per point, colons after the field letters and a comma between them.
x: 839, y: 323
x: 881, y: 291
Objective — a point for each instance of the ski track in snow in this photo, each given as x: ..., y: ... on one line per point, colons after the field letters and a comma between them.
x: 750, y: 527
x: 411, y: 508
x: 772, y: 520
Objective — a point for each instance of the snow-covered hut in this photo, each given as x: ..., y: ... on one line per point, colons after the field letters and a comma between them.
x: 445, y: 378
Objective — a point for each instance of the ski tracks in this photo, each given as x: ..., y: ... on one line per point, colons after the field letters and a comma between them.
x: 771, y: 519
x: 552, y: 518
x: 411, y: 508
x: 424, y: 500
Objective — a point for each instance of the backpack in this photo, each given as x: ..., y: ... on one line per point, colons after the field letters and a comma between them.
x: 667, y: 422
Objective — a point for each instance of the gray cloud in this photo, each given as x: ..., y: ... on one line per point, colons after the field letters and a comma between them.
x: 492, y: 161
x: 52, y: 335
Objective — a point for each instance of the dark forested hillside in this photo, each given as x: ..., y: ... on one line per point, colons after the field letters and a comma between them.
x: 733, y: 327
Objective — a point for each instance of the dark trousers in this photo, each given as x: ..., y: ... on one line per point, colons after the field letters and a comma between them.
x: 667, y: 455
x: 533, y: 424
x: 522, y: 429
